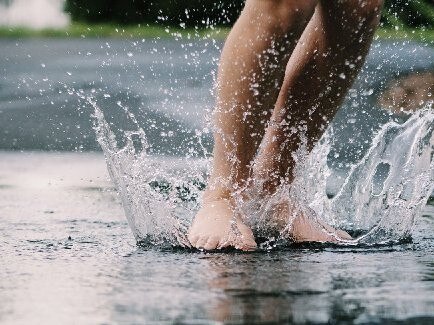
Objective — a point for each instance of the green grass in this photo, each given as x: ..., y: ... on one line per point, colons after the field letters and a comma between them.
x: 81, y: 30
x: 421, y: 35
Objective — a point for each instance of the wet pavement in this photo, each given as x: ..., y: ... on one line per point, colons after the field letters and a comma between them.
x: 67, y: 254
x: 69, y: 257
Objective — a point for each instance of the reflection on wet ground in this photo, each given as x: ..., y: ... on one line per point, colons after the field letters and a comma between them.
x: 68, y: 257
x: 67, y: 253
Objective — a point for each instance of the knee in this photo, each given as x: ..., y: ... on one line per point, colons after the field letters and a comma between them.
x: 286, y: 15
x: 297, y: 10
x: 363, y: 15
x: 352, y: 22
x: 294, y: 14
x: 370, y: 12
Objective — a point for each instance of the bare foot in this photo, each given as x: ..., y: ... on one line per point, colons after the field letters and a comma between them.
x: 217, y: 226
x: 305, y: 228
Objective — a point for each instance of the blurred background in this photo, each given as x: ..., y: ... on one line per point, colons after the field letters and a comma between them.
x: 135, y: 54
x: 61, y: 13
x: 67, y: 253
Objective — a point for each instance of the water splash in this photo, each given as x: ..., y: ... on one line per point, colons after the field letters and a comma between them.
x: 379, y: 200
x: 159, y: 196
x: 387, y: 189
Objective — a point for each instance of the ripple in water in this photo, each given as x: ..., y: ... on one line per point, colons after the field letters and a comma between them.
x: 378, y: 201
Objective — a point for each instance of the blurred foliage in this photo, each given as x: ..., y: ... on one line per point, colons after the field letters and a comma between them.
x: 402, y: 19
x: 408, y: 13
x: 86, y: 30
x: 95, y: 30
x: 169, y: 12
x: 400, y: 13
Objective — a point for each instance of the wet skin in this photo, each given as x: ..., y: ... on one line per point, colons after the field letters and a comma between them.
x: 252, y: 141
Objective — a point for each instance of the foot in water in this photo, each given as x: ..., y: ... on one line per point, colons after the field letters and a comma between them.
x: 217, y: 225
x: 304, y: 228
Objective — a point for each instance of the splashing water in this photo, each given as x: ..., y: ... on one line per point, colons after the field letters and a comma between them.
x: 378, y: 201
x: 388, y: 188
x: 159, y: 196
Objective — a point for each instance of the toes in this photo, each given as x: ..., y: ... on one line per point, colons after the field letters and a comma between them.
x: 225, y: 243
x: 242, y: 243
x: 193, y: 239
x: 211, y: 243
x: 201, y: 242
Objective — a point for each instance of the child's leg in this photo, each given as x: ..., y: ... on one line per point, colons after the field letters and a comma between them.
x: 319, y: 73
x: 322, y: 68
x: 251, y: 71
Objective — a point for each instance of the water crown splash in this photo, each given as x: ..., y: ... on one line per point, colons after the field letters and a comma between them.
x: 379, y: 199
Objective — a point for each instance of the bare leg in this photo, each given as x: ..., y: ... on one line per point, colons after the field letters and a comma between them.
x: 322, y: 68
x: 250, y: 72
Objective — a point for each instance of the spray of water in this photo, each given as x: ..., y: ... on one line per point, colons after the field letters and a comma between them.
x: 160, y: 196
x: 378, y: 202
x: 388, y: 188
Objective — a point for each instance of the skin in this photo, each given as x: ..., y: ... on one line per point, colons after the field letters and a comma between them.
x: 263, y: 110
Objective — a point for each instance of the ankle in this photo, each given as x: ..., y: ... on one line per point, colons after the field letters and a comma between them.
x: 211, y: 195
x: 221, y: 189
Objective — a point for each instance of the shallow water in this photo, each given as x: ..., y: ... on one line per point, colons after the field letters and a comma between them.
x: 68, y: 256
